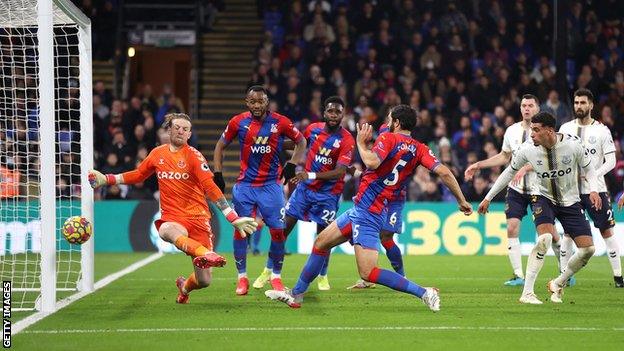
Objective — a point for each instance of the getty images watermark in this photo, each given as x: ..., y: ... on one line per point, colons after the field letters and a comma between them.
x: 6, y: 314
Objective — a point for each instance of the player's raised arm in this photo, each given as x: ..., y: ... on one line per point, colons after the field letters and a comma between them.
x: 449, y: 180
x: 369, y: 157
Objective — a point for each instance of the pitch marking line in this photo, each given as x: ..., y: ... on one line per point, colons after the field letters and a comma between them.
x: 32, y: 319
x: 341, y: 328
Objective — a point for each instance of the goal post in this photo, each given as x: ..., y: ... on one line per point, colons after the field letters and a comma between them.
x: 46, y: 147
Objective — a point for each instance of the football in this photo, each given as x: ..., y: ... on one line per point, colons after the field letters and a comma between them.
x: 77, y: 230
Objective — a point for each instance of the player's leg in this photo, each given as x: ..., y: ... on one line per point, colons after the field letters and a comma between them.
x: 604, y: 221
x: 567, y: 250
x: 613, y: 253
x: 270, y: 203
x: 199, y: 279
x: 200, y: 231
x: 393, y: 224
x: 321, y: 208
x: 256, y: 236
x: 265, y: 275
x: 322, y: 281
x: 242, y: 199
x: 177, y: 234
x: 574, y: 222
x: 544, y: 218
x: 514, y: 252
x: 335, y: 234
x: 515, y: 209
x: 366, y: 256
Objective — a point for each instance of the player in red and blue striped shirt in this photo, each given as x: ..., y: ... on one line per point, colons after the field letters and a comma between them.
x: 320, y: 185
x: 393, y: 223
x: 390, y: 163
x: 261, y: 137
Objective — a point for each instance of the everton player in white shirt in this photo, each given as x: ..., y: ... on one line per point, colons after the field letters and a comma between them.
x: 519, y: 193
x: 597, y: 139
x: 556, y: 159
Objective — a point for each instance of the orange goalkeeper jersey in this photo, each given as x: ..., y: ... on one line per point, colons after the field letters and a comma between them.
x: 184, y: 179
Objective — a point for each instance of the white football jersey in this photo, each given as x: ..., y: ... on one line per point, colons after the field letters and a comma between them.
x: 514, y: 137
x: 597, y: 139
x: 557, y: 169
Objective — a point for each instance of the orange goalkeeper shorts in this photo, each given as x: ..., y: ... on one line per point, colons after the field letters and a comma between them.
x: 198, y: 229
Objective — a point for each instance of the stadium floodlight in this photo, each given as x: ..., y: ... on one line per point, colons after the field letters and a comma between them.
x: 46, y: 145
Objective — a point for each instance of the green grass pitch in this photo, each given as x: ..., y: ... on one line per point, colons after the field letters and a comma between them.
x: 138, y: 311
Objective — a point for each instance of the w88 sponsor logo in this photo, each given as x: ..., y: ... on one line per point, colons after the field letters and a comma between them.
x: 323, y: 160
x: 261, y: 149
x: 172, y: 175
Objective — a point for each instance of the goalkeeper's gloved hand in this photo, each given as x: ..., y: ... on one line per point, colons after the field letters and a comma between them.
x: 97, y: 179
x: 218, y: 179
x: 245, y: 225
x: 288, y: 172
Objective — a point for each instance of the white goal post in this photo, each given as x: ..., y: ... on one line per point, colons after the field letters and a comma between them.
x: 46, y: 146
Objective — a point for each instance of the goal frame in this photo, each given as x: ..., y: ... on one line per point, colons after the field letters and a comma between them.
x: 45, y: 46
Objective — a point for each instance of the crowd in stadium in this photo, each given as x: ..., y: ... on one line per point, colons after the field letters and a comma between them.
x: 463, y: 65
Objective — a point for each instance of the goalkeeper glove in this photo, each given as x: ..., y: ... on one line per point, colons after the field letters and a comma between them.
x: 218, y: 179
x: 288, y: 172
x: 245, y: 225
x: 97, y: 179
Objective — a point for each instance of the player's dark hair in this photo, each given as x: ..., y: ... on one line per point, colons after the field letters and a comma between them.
x: 334, y: 100
x: 531, y: 97
x: 405, y: 115
x: 585, y: 92
x: 545, y: 118
x: 171, y: 116
x: 256, y: 88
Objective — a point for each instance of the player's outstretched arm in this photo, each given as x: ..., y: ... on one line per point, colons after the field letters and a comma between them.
x: 145, y: 169
x: 499, y: 159
x: 97, y: 179
x: 449, y: 180
x: 500, y: 184
x: 244, y: 225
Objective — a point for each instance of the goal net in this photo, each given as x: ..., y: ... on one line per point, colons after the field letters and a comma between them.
x: 45, y: 147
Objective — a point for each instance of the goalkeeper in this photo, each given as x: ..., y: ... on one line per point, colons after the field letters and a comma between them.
x: 185, y: 181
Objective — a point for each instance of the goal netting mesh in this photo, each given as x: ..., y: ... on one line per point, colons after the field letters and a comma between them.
x: 21, y: 148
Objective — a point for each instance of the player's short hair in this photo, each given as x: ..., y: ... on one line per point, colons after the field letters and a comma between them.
x: 405, y: 115
x: 531, y: 97
x: 545, y: 118
x: 256, y: 88
x: 585, y: 92
x: 334, y: 100
x: 171, y: 116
